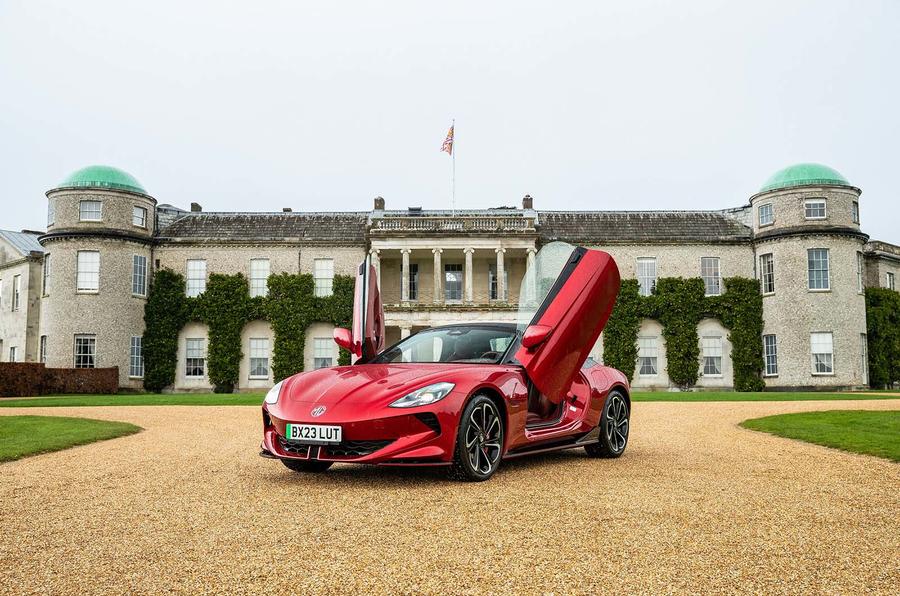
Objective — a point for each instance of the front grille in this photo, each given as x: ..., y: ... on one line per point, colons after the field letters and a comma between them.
x: 293, y: 447
x: 354, y: 448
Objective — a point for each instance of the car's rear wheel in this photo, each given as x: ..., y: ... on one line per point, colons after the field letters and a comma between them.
x: 614, y: 426
x: 479, y: 442
x: 307, y: 465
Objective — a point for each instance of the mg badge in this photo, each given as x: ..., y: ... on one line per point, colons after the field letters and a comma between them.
x: 317, y: 411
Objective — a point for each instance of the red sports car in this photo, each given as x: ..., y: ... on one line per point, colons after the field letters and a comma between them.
x: 464, y: 396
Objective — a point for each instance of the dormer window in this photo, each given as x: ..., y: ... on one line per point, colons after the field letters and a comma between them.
x: 90, y: 211
x: 814, y: 209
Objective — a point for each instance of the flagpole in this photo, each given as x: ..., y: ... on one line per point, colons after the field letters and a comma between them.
x: 453, y: 171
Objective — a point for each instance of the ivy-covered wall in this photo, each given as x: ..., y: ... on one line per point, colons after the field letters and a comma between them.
x: 679, y: 304
x: 883, y: 334
x: 226, y: 306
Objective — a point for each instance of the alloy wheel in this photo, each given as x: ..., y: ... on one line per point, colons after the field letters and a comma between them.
x: 616, y: 423
x: 484, y: 438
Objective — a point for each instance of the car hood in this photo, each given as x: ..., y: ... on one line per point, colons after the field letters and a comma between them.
x: 368, y: 383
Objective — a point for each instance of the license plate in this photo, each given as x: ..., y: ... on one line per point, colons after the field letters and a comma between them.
x: 314, y: 434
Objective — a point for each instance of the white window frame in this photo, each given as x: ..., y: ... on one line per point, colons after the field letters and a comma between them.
x: 712, y: 348
x: 890, y: 281
x: 323, y: 349
x: 139, y: 216
x: 711, y: 280
x: 808, y: 205
x: 644, y: 277
x: 42, y: 350
x: 51, y: 213
x: 454, y: 269
x: 860, y: 267
x: 194, y: 350
x: 259, y: 357
x: 648, y: 349
x: 854, y: 212
x: 770, y: 212
x: 260, y: 269
x: 767, y: 274
x: 770, y: 355
x: 827, y: 270
x: 87, y: 280
x: 817, y: 340
x: 323, y: 277
x: 85, y: 214
x: 89, y: 358
x: 136, y: 358
x: 16, y: 292
x: 139, y: 276
x: 195, y: 278
x: 492, y: 282
x: 413, y: 282
x: 45, y: 277
x: 13, y: 353
x: 864, y: 357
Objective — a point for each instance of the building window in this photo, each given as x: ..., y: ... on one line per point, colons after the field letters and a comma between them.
x: 45, y: 281
x: 822, y: 348
x: 814, y: 209
x: 16, y: 291
x: 51, y: 213
x: 413, y: 281
x: 323, y: 352
x: 453, y: 282
x: 860, y: 266
x: 87, y: 276
x: 712, y: 279
x: 767, y: 273
x: 90, y: 210
x: 492, y: 282
x: 259, y: 277
x: 712, y: 356
x: 136, y: 360
x: 85, y: 351
x: 43, y: 350
x: 196, y: 277
x: 766, y: 214
x: 12, y: 353
x: 770, y: 351
x: 259, y: 358
x: 139, y: 276
x: 646, y: 274
x: 889, y: 281
x: 864, y: 357
x: 854, y: 212
x: 195, y: 357
x: 323, y: 274
x: 817, y: 259
x: 139, y: 216
x: 647, y: 356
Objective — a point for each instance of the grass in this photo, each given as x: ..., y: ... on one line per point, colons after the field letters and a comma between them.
x: 255, y: 399
x: 21, y: 436
x: 869, y: 433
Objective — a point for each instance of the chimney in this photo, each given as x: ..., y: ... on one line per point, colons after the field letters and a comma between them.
x: 196, y: 208
x: 379, y: 204
x: 527, y: 202
x: 286, y: 210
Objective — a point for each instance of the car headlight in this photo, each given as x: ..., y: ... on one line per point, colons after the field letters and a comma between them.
x: 424, y: 396
x: 274, y: 392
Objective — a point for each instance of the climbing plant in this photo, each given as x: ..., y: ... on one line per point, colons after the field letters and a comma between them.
x: 226, y: 307
x: 679, y: 305
x: 883, y: 334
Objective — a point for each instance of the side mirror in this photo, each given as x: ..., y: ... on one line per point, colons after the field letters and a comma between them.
x: 343, y: 338
x: 535, y: 335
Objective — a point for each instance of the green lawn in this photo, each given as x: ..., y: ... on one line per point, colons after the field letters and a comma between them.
x: 870, y: 433
x: 21, y: 436
x: 738, y: 396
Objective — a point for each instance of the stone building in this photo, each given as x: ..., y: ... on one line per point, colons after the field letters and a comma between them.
x: 82, y: 285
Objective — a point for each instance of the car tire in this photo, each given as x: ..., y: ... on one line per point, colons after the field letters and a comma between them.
x: 615, y: 423
x: 479, y: 441
x: 312, y: 466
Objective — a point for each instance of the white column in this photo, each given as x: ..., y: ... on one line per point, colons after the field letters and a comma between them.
x: 438, y: 286
x: 404, y: 275
x: 468, y: 274
x: 530, y: 272
x: 376, y: 262
x: 405, y: 331
x: 501, y: 286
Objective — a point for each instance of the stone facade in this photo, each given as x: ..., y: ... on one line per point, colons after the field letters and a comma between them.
x: 440, y: 267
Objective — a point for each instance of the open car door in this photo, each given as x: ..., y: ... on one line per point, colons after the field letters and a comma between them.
x: 566, y: 298
x: 367, y: 333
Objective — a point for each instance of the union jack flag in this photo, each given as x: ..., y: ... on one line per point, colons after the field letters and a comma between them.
x: 448, y: 142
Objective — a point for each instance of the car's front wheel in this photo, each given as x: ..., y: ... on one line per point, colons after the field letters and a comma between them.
x: 306, y: 465
x: 479, y: 442
x: 614, y: 426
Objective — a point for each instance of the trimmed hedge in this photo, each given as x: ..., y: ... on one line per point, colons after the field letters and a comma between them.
x: 883, y: 335
x: 290, y: 307
x: 25, y: 379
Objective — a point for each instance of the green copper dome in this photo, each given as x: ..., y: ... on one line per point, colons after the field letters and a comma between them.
x: 802, y: 174
x: 102, y: 177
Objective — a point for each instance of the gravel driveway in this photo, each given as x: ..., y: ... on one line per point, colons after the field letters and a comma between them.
x: 696, y: 503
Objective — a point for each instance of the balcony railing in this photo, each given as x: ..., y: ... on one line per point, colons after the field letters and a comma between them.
x: 453, y: 223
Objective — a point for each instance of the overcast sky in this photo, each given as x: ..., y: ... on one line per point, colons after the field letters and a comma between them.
x: 324, y: 105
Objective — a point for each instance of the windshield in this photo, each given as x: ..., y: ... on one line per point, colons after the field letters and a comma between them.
x: 479, y: 345
x: 539, y: 279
